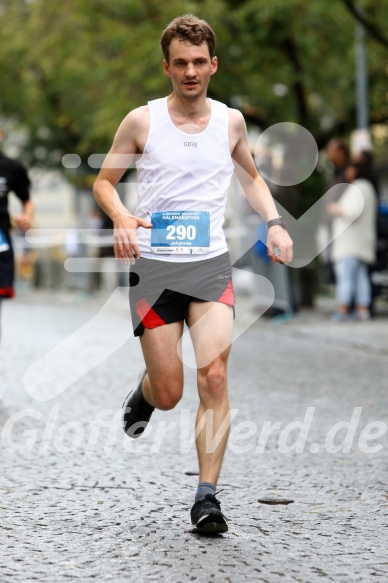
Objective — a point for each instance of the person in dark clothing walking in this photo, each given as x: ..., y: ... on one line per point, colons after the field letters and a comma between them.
x: 13, y: 178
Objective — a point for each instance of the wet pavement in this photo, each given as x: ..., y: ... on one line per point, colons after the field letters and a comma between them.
x: 82, y: 502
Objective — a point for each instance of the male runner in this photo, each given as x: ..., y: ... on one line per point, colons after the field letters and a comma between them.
x: 186, y: 147
x: 13, y: 177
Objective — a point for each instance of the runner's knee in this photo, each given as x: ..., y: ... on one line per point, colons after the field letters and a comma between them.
x: 213, y: 384
x: 167, y: 397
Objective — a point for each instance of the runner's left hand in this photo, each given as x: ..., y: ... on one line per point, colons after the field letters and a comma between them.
x: 279, y: 245
x: 22, y: 221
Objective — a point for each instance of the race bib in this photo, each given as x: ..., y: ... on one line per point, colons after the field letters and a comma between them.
x: 186, y: 232
x: 4, y: 246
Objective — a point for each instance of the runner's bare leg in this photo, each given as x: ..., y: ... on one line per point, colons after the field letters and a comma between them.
x: 163, y: 386
x: 209, y: 339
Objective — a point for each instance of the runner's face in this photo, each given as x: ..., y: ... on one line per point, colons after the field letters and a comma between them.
x: 190, y: 68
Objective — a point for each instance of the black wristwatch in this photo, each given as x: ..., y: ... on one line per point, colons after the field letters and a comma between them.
x: 279, y: 221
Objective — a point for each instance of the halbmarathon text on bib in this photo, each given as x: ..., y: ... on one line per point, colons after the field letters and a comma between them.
x: 186, y: 232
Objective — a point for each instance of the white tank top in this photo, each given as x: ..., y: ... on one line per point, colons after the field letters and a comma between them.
x: 184, y: 172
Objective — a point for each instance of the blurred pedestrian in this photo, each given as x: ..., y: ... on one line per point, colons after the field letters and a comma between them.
x: 337, y: 153
x: 284, y: 304
x: 365, y: 158
x: 13, y: 178
x: 353, y: 250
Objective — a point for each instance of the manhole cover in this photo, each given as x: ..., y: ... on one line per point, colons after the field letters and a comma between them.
x: 274, y: 501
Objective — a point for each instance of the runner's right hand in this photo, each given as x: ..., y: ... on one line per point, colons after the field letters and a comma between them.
x: 124, y: 235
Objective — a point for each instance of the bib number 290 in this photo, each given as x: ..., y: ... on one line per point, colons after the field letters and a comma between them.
x: 181, y: 232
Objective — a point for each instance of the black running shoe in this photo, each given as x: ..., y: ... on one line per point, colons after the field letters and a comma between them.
x: 136, y: 411
x: 206, y: 515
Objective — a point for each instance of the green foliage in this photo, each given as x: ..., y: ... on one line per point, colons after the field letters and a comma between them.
x: 70, y: 71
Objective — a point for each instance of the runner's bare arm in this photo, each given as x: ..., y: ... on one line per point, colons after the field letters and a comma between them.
x: 126, y: 144
x: 255, y: 188
x: 24, y: 220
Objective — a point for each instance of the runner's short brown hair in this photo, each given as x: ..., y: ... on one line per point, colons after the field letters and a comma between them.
x: 190, y: 29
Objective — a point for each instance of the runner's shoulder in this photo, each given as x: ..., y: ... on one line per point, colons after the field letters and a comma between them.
x: 237, y: 126
x: 236, y: 118
x: 137, y: 119
x: 11, y: 164
x: 235, y: 114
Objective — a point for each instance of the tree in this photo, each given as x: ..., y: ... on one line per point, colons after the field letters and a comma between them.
x: 70, y: 72
x: 305, y: 49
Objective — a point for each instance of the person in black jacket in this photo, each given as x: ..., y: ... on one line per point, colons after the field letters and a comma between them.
x: 13, y: 178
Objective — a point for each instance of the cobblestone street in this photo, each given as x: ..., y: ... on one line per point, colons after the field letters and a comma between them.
x: 80, y: 501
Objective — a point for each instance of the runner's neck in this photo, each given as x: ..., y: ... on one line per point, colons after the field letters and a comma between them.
x: 185, y: 113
